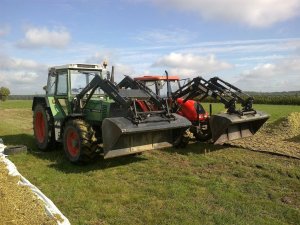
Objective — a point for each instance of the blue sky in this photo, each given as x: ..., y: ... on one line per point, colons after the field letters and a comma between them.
x: 253, y: 44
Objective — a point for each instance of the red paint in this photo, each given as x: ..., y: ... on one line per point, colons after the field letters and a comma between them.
x: 40, y: 127
x: 188, y: 109
x: 142, y: 105
x: 156, y: 78
x: 73, y: 142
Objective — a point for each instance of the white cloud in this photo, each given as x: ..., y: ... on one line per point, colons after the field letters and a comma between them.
x: 8, y: 63
x: 157, y: 36
x: 4, y: 30
x: 123, y: 69
x: 190, y: 64
x: 257, y: 13
x: 112, y: 59
x: 43, y: 37
x: 100, y: 57
x: 22, y: 76
x: 283, y: 75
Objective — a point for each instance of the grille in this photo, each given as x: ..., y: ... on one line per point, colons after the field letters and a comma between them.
x: 104, y: 111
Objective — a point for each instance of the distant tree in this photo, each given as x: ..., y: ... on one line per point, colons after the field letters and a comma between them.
x: 4, y: 93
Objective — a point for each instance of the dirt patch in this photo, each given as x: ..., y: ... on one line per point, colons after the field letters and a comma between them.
x: 18, y: 204
x: 279, y: 137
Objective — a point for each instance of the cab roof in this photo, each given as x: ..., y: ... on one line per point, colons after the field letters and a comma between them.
x: 79, y: 66
x: 157, y: 77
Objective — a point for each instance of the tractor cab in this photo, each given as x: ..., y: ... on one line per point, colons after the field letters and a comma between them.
x: 158, y: 84
x: 190, y: 109
x: 64, y: 88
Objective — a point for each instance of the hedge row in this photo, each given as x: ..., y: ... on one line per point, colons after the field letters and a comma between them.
x: 269, y: 100
x: 258, y: 99
x: 20, y: 97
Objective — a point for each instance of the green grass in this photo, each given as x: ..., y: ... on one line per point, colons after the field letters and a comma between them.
x: 16, y: 104
x: 202, y: 184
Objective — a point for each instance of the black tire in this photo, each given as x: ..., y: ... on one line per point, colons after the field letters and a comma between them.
x: 80, y: 143
x: 183, y: 139
x: 43, y: 128
x: 203, y: 136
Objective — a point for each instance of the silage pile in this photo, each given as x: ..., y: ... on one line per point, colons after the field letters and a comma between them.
x: 18, y: 205
x: 281, y: 137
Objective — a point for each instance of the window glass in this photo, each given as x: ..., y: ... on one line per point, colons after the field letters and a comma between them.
x: 51, y: 85
x: 151, y: 86
x: 62, y: 85
x: 164, y: 87
x: 80, y: 79
x: 78, y: 82
x: 199, y: 107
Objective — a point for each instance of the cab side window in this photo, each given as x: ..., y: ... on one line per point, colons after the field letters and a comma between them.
x: 51, y: 85
x: 62, y: 84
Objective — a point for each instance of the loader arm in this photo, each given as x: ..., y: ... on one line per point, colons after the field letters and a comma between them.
x: 226, y: 89
x: 233, y: 124
x: 128, y: 82
x: 97, y: 82
x: 201, y: 89
x: 125, y: 97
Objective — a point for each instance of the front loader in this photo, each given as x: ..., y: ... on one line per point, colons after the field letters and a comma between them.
x: 233, y: 124
x: 89, y: 114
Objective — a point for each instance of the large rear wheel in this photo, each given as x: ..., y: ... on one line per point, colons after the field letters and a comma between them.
x: 43, y: 127
x: 79, y: 140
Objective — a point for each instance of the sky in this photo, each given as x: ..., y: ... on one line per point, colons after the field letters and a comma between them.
x: 255, y: 44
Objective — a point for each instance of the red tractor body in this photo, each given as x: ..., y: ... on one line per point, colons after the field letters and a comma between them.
x: 188, y: 109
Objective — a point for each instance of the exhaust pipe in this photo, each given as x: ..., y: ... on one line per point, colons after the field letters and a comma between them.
x: 112, y: 77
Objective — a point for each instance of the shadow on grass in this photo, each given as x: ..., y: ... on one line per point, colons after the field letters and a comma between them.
x: 294, y: 139
x: 19, y: 139
x: 59, y: 161
x: 196, y: 148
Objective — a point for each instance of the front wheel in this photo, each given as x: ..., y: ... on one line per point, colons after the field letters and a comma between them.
x: 203, y: 136
x: 79, y: 140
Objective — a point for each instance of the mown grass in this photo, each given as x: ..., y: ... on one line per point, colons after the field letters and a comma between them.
x: 202, y: 184
x: 13, y: 104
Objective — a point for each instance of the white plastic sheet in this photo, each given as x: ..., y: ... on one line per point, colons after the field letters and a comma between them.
x: 50, y: 208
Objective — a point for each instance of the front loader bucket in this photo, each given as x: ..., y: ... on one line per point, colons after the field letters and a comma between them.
x: 122, y: 137
x: 226, y: 127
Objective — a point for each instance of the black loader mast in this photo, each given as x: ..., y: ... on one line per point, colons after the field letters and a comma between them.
x: 218, y: 89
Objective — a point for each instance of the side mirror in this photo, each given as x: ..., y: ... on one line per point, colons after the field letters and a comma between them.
x: 52, y: 72
x: 45, y: 89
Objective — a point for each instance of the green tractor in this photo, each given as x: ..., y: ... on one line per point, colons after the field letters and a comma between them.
x: 86, y: 111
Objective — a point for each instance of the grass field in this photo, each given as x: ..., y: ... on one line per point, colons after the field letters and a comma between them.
x: 202, y: 184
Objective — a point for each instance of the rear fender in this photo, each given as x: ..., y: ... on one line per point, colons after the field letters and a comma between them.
x: 40, y: 100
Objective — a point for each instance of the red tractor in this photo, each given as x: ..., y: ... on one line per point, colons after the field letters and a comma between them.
x: 191, y: 109
x: 235, y: 123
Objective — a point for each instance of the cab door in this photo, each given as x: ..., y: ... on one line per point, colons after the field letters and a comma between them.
x: 61, y: 95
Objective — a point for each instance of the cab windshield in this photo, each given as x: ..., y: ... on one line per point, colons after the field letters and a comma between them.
x: 80, y: 79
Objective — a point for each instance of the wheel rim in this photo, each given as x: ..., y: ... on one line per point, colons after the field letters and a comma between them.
x: 73, y: 142
x: 40, y: 127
